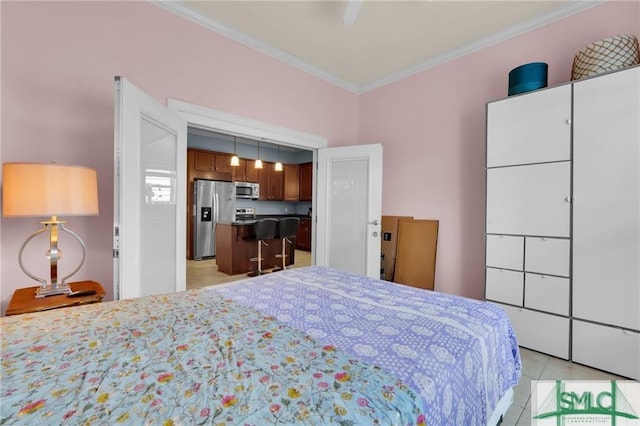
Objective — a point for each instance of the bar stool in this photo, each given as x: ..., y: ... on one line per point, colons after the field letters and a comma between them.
x: 263, y: 229
x: 287, y: 229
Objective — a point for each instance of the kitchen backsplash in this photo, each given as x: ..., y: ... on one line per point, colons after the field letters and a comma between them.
x: 276, y: 207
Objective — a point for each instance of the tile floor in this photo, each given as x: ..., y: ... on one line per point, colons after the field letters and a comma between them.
x: 536, y: 366
x: 202, y: 273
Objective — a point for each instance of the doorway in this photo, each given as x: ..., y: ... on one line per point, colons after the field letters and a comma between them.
x: 288, y: 203
x: 209, y: 119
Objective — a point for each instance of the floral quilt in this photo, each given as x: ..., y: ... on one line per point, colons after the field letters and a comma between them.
x: 189, y: 358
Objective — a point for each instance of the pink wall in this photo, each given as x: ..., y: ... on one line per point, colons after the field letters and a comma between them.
x: 58, y: 64
x: 433, y: 129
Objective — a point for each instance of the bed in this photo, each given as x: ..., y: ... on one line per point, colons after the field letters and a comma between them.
x: 302, y: 346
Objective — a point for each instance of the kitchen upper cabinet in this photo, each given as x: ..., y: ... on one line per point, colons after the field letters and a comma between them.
x: 245, y: 172
x: 306, y: 181
x: 203, y: 161
x: 209, y: 161
x: 271, y: 183
x: 222, y: 163
x: 291, y: 182
x: 276, y: 184
x: 531, y: 128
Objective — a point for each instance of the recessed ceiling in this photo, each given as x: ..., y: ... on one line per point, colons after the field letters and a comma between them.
x: 389, y: 40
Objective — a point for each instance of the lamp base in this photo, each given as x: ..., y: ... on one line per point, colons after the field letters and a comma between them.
x: 51, y: 290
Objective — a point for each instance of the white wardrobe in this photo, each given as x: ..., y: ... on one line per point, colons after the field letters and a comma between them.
x: 563, y: 219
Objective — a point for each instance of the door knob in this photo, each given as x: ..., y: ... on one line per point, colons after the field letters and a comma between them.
x: 375, y: 222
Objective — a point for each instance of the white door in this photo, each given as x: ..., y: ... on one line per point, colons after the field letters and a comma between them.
x: 349, y: 208
x: 150, y: 144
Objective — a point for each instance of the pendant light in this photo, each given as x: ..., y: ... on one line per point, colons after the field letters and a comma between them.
x: 235, y: 161
x: 278, y: 166
x: 258, y: 163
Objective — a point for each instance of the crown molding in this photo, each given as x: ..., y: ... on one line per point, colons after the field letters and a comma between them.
x: 572, y: 8
x: 484, y: 42
x: 177, y: 8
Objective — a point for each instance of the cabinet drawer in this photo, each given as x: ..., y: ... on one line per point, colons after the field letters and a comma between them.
x: 547, y: 256
x: 504, y: 286
x: 550, y: 294
x: 505, y: 251
x: 541, y: 332
x: 607, y: 348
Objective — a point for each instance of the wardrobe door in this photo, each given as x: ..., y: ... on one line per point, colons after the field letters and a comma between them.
x: 606, y: 189
x: 529, y: 200
x: 531, y: 128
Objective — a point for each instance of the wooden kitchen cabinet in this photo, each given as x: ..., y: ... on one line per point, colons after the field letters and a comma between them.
x: 235, y: 245
x: 222, y: 163
x: 303, y: 241
x: 291, y: 182
x: 245, y: 172
x: 271, y: 183
x: 202, y: 161
x: 209, y: 161
x: 306, y: 182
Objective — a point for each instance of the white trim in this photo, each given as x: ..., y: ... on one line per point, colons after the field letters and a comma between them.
x: 495, y: 38
x: 212, y: 119
x: 572, y: 8
x: 259, y: 45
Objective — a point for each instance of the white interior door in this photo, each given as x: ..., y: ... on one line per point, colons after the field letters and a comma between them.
x: 349, y: 208
x: 150, y: 144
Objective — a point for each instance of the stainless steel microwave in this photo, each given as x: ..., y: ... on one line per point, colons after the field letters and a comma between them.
x: 247, y: 190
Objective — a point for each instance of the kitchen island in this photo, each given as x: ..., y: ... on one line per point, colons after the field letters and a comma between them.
x: 236, y: 244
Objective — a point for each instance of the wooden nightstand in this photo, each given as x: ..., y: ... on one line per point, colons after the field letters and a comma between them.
x: 24, y: 300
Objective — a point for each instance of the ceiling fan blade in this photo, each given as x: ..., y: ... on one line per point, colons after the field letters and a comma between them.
x: 351, y: 12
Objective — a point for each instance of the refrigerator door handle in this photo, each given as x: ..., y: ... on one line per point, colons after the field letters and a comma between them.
x: 215, y: 207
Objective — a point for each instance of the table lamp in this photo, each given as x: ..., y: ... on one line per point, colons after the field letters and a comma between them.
x: 39, y: 189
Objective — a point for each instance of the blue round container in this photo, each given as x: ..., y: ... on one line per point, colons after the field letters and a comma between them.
x: 528, y: 77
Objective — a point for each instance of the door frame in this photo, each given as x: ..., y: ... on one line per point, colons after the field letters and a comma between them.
x: 219, y: 121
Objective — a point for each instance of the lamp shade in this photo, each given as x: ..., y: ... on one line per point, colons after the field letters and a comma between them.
x: 41, y: 189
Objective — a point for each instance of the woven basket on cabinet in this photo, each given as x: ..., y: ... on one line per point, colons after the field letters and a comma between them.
x: 606, y: 55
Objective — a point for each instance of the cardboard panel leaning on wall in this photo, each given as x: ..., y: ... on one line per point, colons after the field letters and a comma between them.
x: 389, y: 244
x: 416, y: 253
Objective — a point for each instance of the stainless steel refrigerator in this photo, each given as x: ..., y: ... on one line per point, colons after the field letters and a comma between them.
x: 214, y: 201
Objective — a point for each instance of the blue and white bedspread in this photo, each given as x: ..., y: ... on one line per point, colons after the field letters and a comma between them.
x: 460, y: 354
